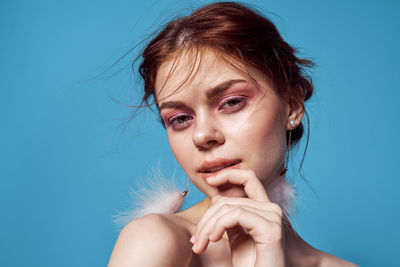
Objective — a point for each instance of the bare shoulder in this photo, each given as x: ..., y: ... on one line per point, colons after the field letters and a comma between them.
x: 328, y: 260
x: 152, y: 240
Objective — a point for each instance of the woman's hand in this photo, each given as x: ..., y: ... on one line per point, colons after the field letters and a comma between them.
x: 253, y: 224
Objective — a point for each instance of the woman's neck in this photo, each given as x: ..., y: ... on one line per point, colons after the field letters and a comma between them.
x: 298, y: 252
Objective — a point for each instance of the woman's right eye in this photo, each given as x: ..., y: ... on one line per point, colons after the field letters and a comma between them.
x: 179, y: 122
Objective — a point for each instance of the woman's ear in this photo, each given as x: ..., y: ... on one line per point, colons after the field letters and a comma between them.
x: 296, y: 112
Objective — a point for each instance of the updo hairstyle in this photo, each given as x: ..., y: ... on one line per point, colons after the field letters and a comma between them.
x: 238, y: 34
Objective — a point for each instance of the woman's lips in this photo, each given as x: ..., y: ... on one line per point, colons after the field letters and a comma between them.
x: 211, y: 168
x: 209, y: 174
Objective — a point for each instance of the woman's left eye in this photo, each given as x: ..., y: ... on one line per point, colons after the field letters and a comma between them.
x: 232, y: 104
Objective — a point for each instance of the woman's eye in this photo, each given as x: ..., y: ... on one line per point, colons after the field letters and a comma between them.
x: 181, y: 119
x: 179, y: 122
x: 232, y: 104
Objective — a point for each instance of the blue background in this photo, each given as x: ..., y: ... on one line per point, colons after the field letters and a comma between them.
x: 66, y: 163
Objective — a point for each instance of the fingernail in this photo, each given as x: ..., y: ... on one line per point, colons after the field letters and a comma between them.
x: 192, y: 239
x: 194, y: 248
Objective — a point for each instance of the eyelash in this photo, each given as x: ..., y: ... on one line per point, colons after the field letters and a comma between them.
x: 177, y: 126
x: 235, y: 107
x: 240, y: 102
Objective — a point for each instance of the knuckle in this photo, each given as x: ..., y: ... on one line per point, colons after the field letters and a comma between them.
x: 276, y: 208
x: 239, y: 211
x: 220, y: 202
x: 226, y: 207
x: 251, y: 174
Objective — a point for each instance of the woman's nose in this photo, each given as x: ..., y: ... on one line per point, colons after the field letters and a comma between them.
x: 206, y: 134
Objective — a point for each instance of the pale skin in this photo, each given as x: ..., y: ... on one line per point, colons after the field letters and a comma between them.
x: 228, y: 133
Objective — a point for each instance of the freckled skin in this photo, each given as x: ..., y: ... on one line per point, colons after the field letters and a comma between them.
x: 255, y: 133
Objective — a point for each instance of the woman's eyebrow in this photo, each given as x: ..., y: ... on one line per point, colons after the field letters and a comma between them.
x: 172, y: 104
x: 211, y: 94
x: 214, y: 92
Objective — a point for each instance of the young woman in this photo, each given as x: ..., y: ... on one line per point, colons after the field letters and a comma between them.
x: 231, y: 93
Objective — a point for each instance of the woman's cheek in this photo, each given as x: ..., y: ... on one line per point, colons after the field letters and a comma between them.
x: 173, y: 143
x: 181, y: 148
x: 238, y: 123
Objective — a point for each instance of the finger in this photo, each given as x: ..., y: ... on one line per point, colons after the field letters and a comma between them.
x: 207, y: 232
x: 234, y: 201
x: 247, y: 178
x: 202, y: 238
x: 207, y: 227
x: 260, y: 229
x: 267, y: 206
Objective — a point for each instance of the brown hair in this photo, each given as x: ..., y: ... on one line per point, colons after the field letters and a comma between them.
x: 239, y: 33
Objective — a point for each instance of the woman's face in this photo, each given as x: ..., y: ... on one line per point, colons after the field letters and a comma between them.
x: 217, y: 118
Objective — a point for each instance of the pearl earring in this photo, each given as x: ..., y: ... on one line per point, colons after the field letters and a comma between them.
x: 293, y: 123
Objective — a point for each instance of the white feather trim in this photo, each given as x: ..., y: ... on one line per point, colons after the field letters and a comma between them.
x: 282, y: 193
x: 162, y: 196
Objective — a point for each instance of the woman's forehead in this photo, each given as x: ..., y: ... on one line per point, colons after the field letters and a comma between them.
x: 201, y: 71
